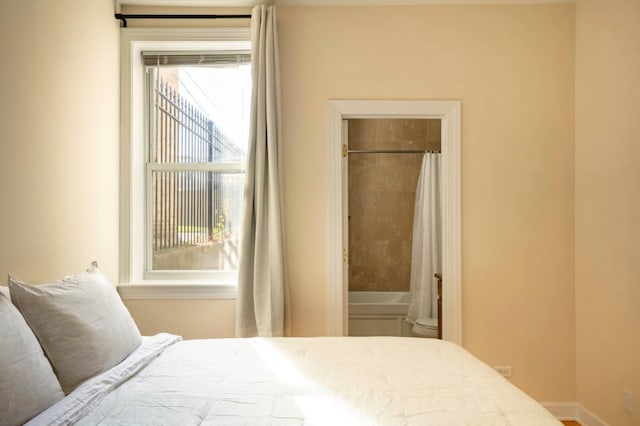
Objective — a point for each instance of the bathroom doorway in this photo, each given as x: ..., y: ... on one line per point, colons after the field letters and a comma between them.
x: 394, y: 226
x: 448, y: 112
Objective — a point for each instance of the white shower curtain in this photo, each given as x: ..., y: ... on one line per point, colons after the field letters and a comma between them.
x: 426, y: 256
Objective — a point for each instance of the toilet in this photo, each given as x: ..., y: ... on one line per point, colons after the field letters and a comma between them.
x: 426, y: 328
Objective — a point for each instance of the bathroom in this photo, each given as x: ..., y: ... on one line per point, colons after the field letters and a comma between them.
x: 385, y: 159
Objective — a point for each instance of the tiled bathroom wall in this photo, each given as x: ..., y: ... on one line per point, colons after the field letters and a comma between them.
x: 381, y: 199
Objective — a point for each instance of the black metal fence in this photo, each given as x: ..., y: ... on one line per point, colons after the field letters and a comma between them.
x: 187, y: 206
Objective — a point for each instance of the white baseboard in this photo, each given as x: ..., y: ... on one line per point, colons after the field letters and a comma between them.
x: 587, y: 418
x: 573, y: 411
x: 562, y: 410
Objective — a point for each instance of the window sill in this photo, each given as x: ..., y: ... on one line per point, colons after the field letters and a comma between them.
x: 177, y: 290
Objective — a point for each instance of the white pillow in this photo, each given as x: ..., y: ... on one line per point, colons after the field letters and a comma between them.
x: 83, y: 326
x: 27, y: 383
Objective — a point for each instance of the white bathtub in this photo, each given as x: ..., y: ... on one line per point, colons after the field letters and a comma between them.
x: 378, y: 313
x: 379, y: 302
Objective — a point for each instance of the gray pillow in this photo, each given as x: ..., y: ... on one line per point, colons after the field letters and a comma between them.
x: 27, y: 383
x: 83, y: 326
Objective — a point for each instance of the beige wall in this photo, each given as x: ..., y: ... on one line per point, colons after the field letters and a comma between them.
x: 512, y: 68
x: 608, y: 207
x: 192, y: 319
x: 58, y: 138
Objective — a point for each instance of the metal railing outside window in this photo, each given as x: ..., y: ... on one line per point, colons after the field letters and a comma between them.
x: 189, y: 157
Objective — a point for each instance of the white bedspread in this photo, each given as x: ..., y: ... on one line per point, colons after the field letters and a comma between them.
x: 314, y: 381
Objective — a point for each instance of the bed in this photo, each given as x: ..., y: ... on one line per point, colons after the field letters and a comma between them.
x: 165, y: 380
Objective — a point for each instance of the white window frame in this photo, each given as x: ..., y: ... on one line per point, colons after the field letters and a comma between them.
x: 134, y: 283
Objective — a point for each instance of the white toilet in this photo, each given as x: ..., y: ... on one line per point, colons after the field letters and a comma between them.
x: 426, y: 328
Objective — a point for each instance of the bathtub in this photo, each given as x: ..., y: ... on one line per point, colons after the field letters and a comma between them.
x: 379, y: 302
x: 379, y: 313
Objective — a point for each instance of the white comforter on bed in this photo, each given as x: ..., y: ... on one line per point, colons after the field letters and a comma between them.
x: 292, y: 381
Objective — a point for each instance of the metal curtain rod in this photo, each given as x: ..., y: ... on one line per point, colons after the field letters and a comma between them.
x: 124, y: 16
x: 389, y: 151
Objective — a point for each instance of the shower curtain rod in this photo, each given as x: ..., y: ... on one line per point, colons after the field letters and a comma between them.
x: 389, y: 151
x: 124, y: 16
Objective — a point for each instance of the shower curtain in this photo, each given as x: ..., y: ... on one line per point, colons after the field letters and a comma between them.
x: 426, y: 256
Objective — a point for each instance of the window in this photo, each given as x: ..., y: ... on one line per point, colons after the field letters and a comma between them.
x: 197, y: 108
x: 185, y: 129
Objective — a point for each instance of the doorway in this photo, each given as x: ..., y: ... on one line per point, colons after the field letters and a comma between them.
x: 394, y: 226
x: 448, y: 112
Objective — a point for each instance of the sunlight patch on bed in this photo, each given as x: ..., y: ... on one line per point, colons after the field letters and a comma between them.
x: 285, y: 370
x: 316, y: 401
x: 326, y: 410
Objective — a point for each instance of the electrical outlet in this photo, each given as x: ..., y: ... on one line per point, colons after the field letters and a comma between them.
x: 627, y: 400
x: 504, y: 371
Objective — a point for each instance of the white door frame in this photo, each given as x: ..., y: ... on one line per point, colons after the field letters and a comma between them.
x: 449, y: 113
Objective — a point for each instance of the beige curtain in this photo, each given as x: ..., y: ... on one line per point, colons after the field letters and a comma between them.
x: 261, y: 305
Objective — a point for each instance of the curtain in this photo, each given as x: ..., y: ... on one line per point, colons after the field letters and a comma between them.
x: 261, y: 304
x: 427, y: 242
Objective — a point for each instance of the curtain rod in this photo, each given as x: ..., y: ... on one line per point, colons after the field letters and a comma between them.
x: 389, y: 151
x: 124, y: 16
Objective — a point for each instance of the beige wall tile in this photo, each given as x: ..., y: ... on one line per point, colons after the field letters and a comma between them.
x: 434, y: 128
x: 381, y: 206
x: 414, y: 130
